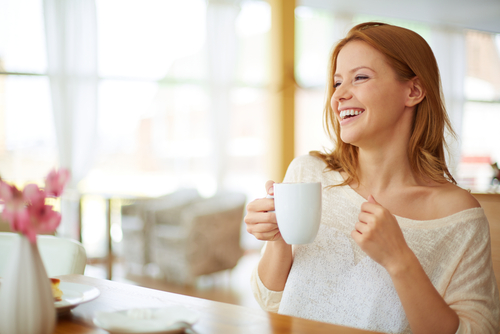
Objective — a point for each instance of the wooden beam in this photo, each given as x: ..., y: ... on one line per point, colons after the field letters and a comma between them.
x: 282, y: 115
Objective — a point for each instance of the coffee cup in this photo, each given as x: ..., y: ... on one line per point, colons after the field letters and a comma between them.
x: 298, y: 211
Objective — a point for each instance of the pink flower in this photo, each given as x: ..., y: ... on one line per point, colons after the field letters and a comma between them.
x: 16, y: 219
x: 33, y: 195
x: 42, y: 219
x: 11, y: 196
x: 55, y: 182
x: 27, y: 212
x: 14, y: 210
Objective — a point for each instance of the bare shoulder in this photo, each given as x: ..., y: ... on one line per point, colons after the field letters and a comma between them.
x: 451, y: 199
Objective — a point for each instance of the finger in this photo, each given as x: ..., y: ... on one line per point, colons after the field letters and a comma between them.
x: 260, y: 218
x: 356, y: 236
x: 269, y: 187
x: 261, y: 205
x: 370, y: 207
x: 371, y: 199
x: 262, y: 228
x: 268, y: 236
x: 276, y: 236
x: 366, y: 217
x: 362, y: 228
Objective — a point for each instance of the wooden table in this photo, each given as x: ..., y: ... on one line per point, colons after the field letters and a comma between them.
x: 215, y: 317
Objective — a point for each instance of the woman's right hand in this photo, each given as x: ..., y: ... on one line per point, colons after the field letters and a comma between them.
x: 260, y: 222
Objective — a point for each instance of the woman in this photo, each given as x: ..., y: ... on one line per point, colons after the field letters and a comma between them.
x: 401, y: 248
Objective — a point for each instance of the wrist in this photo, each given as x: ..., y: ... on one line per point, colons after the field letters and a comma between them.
x: 404, y: 264
x: 279, y: 245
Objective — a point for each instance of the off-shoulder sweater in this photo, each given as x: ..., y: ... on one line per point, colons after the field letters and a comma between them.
x: 333, y: 280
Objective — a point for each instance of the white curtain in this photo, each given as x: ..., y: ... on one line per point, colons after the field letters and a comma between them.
x: 71, y: 37
x: 449, y: 48
x: 222, y: 48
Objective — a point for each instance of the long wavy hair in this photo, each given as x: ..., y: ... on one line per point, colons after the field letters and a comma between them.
x: 410, y: 56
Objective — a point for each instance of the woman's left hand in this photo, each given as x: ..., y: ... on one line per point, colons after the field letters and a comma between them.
x: 379, y: 235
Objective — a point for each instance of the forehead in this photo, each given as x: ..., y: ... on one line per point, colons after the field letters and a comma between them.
x: 359, y: 54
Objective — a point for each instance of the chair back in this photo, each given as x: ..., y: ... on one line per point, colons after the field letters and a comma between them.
x: 204, y: 240
x: 60, y: 256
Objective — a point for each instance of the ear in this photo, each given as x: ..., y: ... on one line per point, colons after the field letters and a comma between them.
x: 417, y: 92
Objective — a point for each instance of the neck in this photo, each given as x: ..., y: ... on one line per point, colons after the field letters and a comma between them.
x: 383, y: 171
x: 383, y: 164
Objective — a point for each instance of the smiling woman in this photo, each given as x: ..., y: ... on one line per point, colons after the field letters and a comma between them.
x: 401, y: 248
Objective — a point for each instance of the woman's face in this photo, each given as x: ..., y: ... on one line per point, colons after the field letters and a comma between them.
x: 369, y: 101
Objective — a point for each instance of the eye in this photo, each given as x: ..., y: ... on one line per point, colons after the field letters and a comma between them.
x: 361, y: 77
x: 337, y: 84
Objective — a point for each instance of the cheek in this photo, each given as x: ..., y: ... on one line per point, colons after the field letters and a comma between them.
x: 334, y: 104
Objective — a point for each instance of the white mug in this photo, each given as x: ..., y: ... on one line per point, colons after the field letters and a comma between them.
x: 298, y: 211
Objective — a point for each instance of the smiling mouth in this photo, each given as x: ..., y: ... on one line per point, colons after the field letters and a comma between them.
x: 345, y: 114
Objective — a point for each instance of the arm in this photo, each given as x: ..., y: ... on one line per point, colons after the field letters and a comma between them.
x: 275, y: 265
x: 426, y: 310
x: 379, y: 235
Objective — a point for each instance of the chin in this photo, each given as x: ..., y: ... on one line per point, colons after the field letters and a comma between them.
x: 348, y: 139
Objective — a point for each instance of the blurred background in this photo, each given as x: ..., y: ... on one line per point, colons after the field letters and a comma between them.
x: 145, y: 99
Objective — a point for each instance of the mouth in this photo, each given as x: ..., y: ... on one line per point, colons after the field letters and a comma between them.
x: 350, y: 113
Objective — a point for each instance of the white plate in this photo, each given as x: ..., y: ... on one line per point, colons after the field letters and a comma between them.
x: 146, y: 320
x: 75, y: 294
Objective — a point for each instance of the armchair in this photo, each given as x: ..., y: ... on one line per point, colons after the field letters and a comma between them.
x: 205, y: 239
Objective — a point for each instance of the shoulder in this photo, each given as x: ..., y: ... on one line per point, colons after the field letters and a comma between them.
x: 308, y: 161
x: 305, y: 167
x: 450, y: 199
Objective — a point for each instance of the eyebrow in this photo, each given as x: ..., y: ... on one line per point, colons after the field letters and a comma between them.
x: 354, y: 70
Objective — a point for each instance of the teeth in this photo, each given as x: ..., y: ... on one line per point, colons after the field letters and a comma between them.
x: 350, y: 112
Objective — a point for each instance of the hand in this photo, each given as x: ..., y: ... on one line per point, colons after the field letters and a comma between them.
x: 261, y: 223
x: 380, y: 237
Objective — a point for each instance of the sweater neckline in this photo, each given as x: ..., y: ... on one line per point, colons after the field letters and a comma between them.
x: 357, y: 200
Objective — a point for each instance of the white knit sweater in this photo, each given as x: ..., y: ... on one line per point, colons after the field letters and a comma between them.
x: 333, y: 280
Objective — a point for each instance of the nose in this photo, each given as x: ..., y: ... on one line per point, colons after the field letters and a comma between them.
x: 342, y: 93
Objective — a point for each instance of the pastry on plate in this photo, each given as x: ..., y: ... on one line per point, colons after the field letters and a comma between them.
x: 56, y: 292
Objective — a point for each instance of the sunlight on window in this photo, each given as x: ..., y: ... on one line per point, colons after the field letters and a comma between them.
x: 40, y: 129
x: 480, y: 138
x: 124, y: 103
x: 142, y: 38
x: 253, y: 26
x: 254, y: 18
x: 29, y: 147
x: 314, y: 39
x: 94, y: 226
x: 22, y: 41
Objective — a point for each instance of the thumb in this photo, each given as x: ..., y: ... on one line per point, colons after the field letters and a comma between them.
x: 269, y: 187
x: 371, y: 199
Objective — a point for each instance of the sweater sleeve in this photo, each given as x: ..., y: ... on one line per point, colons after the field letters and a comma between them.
x: 473, y: 292
x: 268, y: 300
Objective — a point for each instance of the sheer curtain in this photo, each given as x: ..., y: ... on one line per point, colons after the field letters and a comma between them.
x: 222, y: 48
x: 449, y: 48
x: 71, y: 38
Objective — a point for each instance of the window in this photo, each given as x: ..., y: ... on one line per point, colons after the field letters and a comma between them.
x: 28, y: 147
x: 161, y: 124
x: 480, y: 135
x: 157, y: 106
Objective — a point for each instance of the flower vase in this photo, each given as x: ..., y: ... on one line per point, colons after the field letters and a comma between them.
x: 26, y: 300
